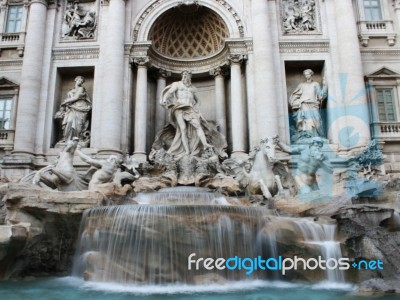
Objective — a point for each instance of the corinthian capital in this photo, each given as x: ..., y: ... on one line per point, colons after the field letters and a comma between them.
x: 162, y: 73
x: 219, y: 71
x: 236, y: 58
x: 142, y: 61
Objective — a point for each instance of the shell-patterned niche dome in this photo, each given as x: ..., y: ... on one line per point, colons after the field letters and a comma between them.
x: 188, y: 32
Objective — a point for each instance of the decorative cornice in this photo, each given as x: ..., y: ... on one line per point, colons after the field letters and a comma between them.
x: 249, y: 45
x: 201, y: 65
x: 7, y: 84
x: 10, y: 63
x: 5, y: 2
x: 236, y: 46
x: 380, y: 51
x: 304, y: 47
x: 78, y: 53
x: 140, y: 49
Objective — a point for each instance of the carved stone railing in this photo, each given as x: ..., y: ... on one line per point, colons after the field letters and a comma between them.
x: 6, y: 138
x: 387, y: 130
x: 10, y: 38
x: 13, y: 40
x: 381, y: 28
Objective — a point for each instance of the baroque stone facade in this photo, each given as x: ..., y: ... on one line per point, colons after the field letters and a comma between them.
x: 246, y: 58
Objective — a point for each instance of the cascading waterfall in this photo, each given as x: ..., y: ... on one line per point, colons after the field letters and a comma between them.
x: 150, y: 244
x: 182, y: 195
x: 323, y: 235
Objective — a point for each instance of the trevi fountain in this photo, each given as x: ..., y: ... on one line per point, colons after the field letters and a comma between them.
x: 282, y: 220
x: 199, y: 149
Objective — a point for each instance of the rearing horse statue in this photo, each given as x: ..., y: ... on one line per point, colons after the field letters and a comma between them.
x: 257, y: 174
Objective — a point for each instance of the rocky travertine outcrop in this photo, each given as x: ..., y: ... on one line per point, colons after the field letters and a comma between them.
x: 369, y: 233
x: 41, y: 229
x: 377, y: 287
x: 3, y: 210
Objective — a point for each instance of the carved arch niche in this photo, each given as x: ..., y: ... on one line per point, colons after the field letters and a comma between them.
x: 170, y: 36
x: 195, y: 35
x: 65, y: 82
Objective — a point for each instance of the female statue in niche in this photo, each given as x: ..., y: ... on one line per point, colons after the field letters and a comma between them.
x: 74, y: 113
x: 306, y: 101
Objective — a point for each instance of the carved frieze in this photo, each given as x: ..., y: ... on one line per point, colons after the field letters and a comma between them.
x: 304, y: 47
x: 300, y: 17
x: 79, y: 21
x: 74, y: 54
x: 10, y: 63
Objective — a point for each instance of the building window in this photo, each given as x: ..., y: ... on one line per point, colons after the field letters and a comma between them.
x: 14, y: 19
x: 386, y: 105
x: 372, y: 9
x: 5, y: 113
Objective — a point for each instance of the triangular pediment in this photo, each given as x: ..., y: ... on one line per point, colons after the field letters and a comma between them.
x: 7, y: 84
x: 383, y: 72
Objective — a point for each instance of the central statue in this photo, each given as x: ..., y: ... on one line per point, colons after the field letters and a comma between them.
x: 181, y: 100
x: 188, y: 133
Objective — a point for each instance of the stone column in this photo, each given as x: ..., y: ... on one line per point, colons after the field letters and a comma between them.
x: 113, y: 79
x: 31, y: 78
x: 160, y: 110
x: 238, y: 108
x: 265, y: 96
x: 220, y: 106
x: 251, y: 105
x: 141, y: 109
x: 354, y: 97
x: 397, y: 10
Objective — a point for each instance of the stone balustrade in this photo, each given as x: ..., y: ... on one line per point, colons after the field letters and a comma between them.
x: 12, y: 41
x: 11, y: 38
x: 381, y: 28
x: 387, y: 130
x: 6, y: 135
x: 7, y: 139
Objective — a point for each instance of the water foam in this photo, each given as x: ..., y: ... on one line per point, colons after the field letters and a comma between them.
x: 220, y: 288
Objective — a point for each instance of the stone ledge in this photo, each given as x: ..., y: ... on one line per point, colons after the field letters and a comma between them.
x: 28, y: 197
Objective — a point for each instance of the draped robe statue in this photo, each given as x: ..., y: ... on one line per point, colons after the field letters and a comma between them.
x: 188, y: 133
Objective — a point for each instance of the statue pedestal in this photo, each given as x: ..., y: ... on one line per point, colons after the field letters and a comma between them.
x: 140, y: 157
